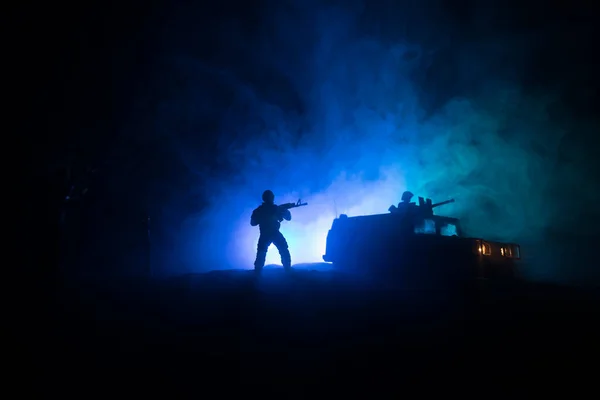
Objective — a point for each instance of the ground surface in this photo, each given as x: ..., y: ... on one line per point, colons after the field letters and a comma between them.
x: 318, y: 327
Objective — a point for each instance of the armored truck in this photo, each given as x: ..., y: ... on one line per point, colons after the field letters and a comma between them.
x: 411, y: 242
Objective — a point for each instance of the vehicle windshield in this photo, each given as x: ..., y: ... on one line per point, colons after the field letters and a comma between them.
x: 429, y: 227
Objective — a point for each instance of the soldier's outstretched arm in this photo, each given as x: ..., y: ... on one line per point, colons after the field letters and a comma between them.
x: 287, y: 215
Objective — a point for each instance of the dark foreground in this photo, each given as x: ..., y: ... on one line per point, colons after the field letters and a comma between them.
x: 292, y: 332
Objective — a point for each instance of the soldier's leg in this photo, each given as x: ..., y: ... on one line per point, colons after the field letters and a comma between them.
x: 261, y: 252
x: 282, y: 245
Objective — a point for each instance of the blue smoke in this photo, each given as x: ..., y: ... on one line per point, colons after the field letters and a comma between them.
x: 318, y: 105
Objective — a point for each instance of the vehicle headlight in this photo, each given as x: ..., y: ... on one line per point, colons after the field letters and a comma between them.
x: 510, y: 251
x: 484, y: 248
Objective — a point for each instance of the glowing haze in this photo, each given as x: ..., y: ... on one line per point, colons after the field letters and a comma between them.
x: 318, y: 106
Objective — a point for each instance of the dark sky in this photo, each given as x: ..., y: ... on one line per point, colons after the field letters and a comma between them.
x: 90, y: 59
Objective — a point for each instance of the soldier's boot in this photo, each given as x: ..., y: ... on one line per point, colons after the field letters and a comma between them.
x: 286, y: 259
x: 259, y: 262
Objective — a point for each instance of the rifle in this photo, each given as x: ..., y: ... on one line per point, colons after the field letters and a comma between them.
x: 288, y: 206
x: 443, y: 203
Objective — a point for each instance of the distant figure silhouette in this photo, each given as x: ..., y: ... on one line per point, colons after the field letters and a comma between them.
x: 405, y: 205
x: 268, y: 217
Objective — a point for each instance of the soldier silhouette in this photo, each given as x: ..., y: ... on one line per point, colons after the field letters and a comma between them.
x: 405, y: 206
x: 268, y: 217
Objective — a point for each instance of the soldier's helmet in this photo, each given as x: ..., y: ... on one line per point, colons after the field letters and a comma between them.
x: 407, y: 196
x: 268, y: 196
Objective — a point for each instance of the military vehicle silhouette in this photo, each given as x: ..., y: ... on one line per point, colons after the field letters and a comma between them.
x: 413, y: 243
